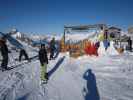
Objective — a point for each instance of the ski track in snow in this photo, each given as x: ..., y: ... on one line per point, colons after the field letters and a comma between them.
x: 113, y: 79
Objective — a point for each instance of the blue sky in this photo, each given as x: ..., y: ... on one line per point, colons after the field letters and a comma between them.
x: 49, y: 16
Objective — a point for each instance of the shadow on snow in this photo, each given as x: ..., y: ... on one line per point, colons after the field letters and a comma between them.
x: 91, y: 93
x: 56, y: 66
x: 25, y: 97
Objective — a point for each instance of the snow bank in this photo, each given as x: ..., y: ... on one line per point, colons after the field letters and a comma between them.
x: 110, y: 51
x: 101, y: 50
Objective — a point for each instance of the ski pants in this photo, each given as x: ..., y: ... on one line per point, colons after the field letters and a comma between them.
x: 4, y: 61
x: 51, y: 54
x: 23, y: 53
x: 43, y: 71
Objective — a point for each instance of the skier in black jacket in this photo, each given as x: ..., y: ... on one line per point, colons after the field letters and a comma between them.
x: 43, y: 61
x: 4, y: 53
x: 52, y: 48
x: 129, y: 43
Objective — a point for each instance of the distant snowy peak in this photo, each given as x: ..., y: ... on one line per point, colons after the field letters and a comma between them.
x: 35, y: 37
x: 18, y: 35
x: 46, y: 37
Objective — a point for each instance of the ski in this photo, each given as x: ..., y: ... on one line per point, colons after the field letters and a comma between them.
x: 8, y: 68
x: 19, y: 65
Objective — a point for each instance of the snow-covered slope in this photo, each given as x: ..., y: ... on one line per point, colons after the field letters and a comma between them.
x: 110, y: 78
x: 85, y: 78
x: 18, y: 34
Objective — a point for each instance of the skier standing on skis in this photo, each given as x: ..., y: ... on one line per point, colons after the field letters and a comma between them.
x: 4, y: 53
x: 23, y: 53
x: 43, y: 61
x: 52, y: 48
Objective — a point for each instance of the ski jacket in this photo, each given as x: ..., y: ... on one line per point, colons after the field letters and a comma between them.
x: 52, y: 45
x: 43, y: 56
x: 129, y: 42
